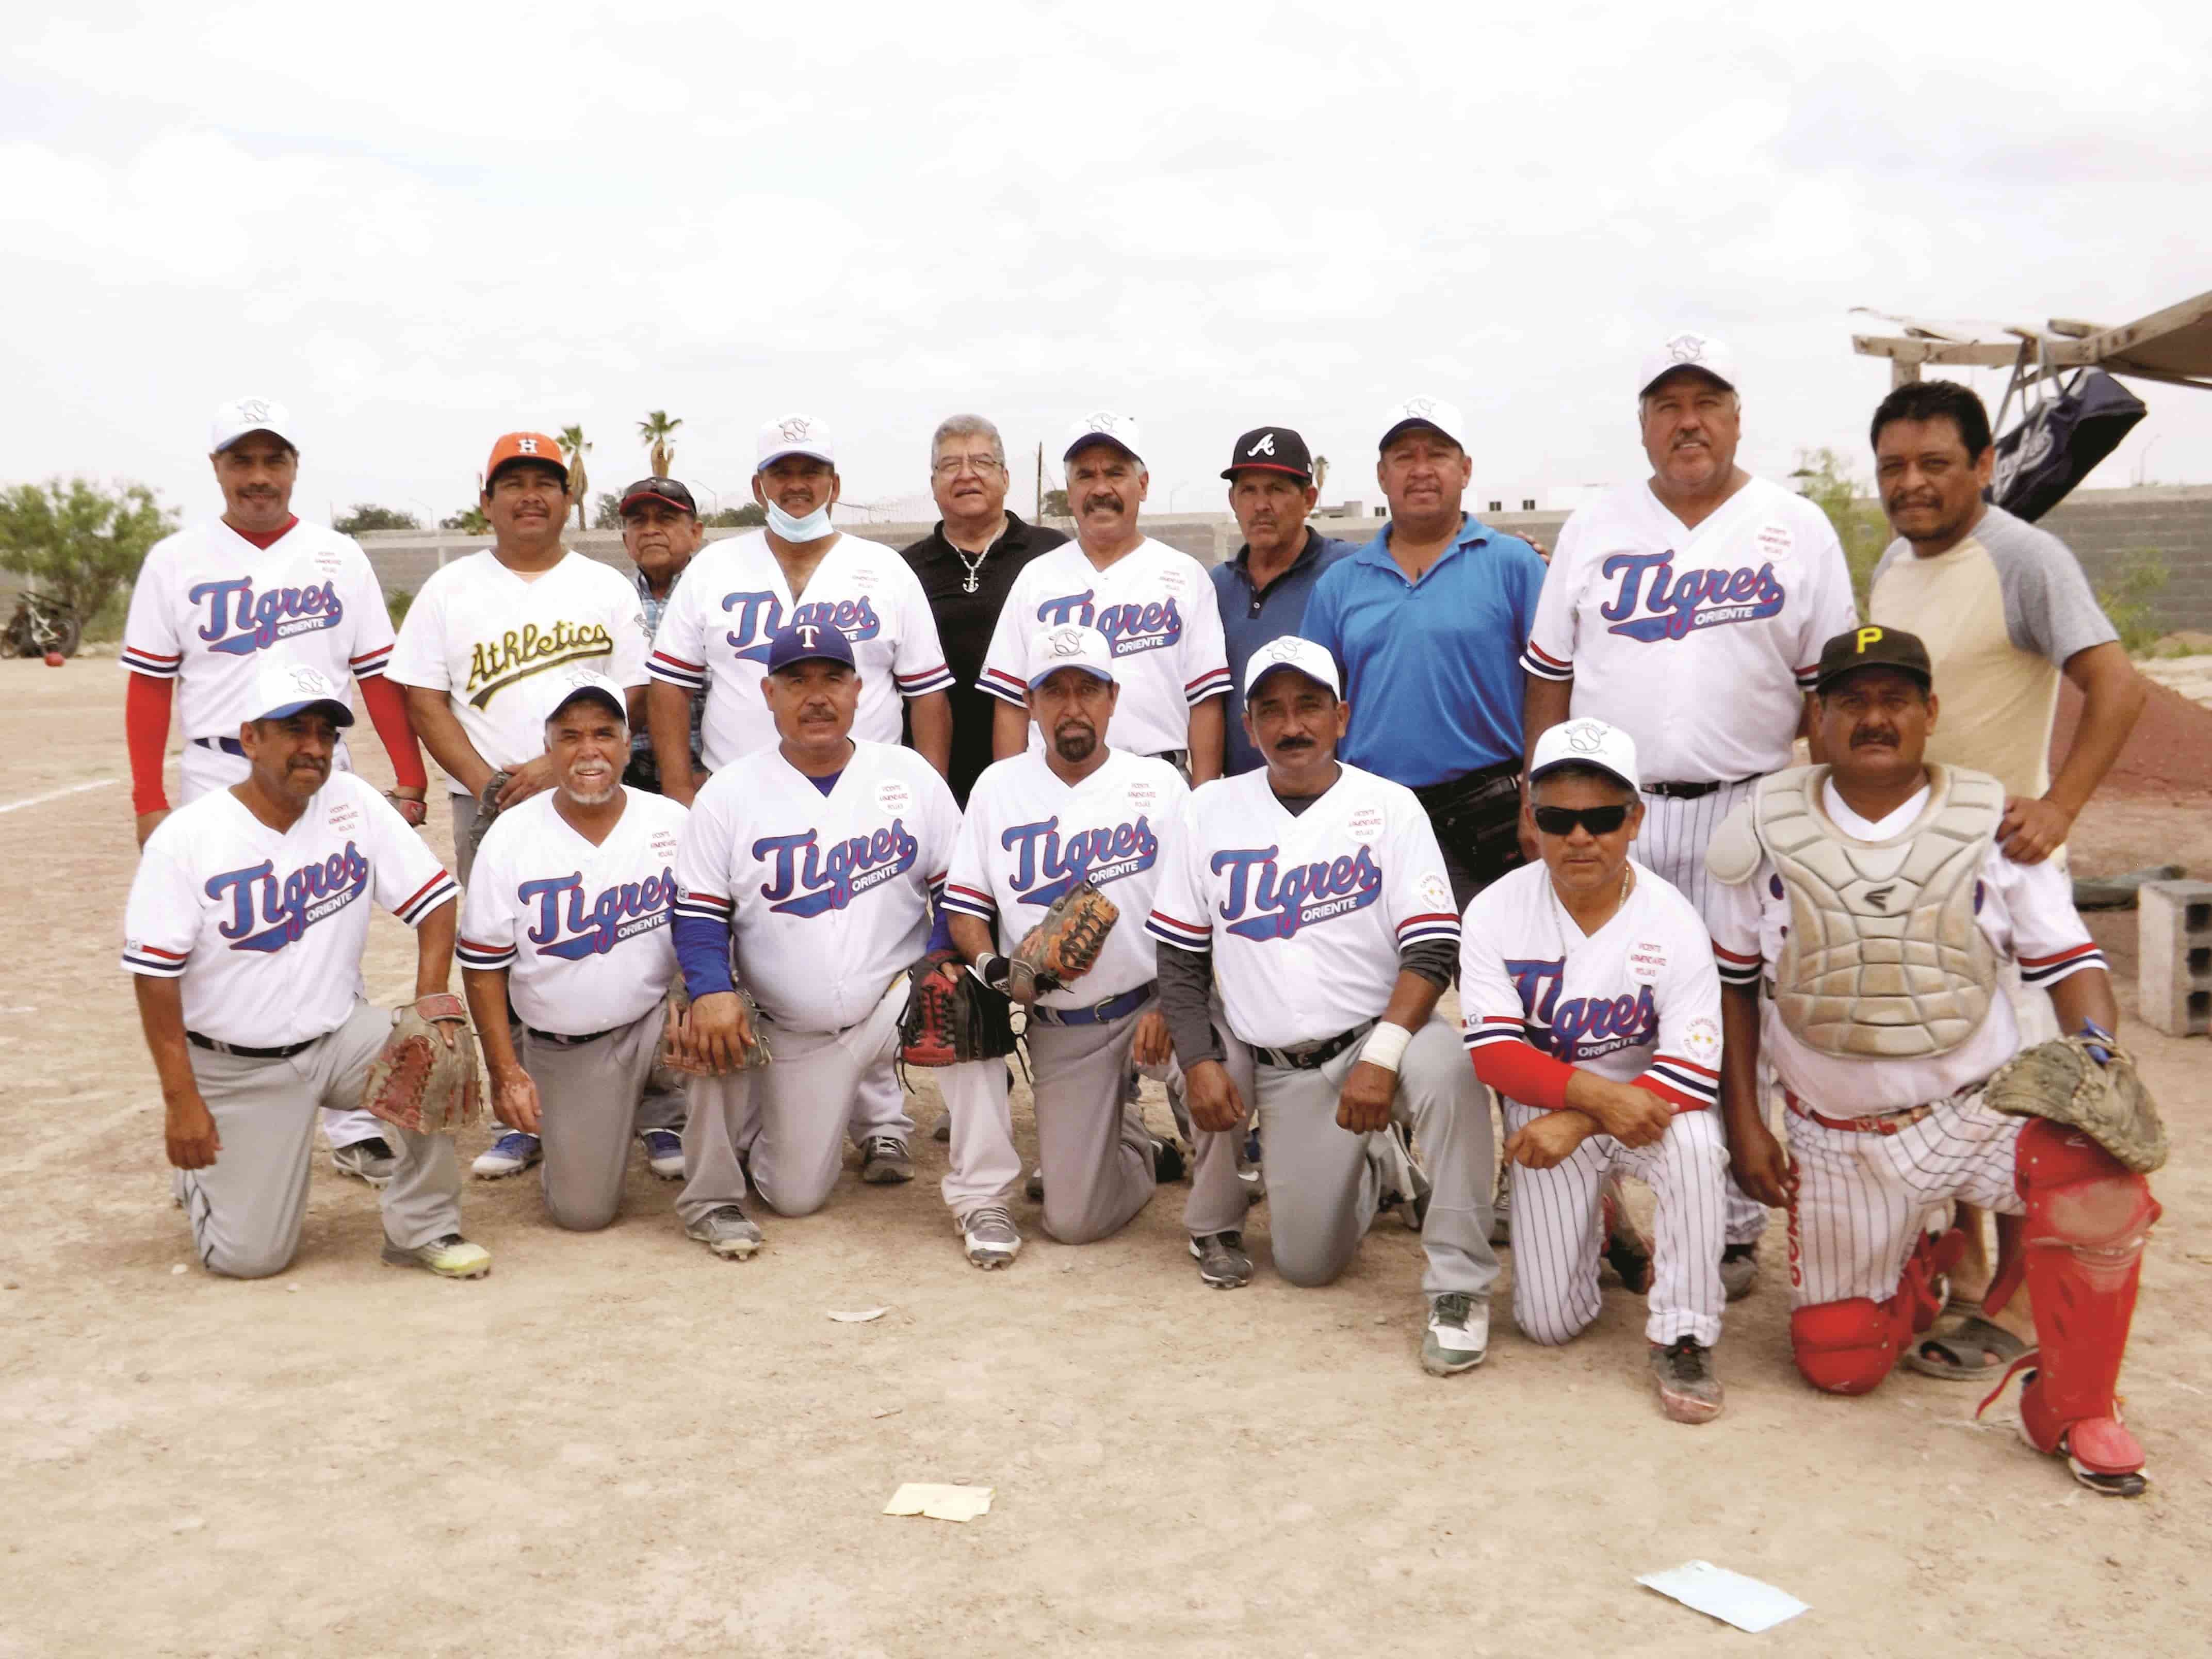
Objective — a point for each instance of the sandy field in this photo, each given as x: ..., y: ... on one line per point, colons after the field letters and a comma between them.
x: 617, y: 1445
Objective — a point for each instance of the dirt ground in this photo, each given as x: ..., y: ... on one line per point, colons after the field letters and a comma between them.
x: 617, y: 1445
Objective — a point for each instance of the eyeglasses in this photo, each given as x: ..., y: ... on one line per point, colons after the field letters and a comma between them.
x: 950, y: 466
x: 1598, y: 820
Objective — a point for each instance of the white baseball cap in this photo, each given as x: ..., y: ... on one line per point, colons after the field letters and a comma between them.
x: 1687, y: 350
x: 1586, y: 743
x: 1300, y: 656
x: 1424, y: 411
x: 1104, y: 426
x: 240, y: 415
x: 1071, y: 646
x: 282, y: 689
x: 795, y: 434
x: 564, y: 685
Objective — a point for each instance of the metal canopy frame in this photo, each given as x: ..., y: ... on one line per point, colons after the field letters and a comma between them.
x: 2172, y: 346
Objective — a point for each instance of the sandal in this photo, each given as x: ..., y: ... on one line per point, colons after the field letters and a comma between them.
x: 1954, y: 1351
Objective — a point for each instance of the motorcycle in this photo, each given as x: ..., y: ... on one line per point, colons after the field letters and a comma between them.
x: 41, y: 624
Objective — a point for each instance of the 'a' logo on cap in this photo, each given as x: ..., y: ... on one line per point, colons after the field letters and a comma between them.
x: 794, y: 430
x: 1687, y: 348
x: 1265, y: 446
x: 1585, y: 737
x: 254, y: 409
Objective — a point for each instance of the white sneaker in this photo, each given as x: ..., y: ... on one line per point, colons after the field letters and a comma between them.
x: 1458, y: 1334
x: 511, y: 1154
x: 990, y: 1236
x: 370, y: 1160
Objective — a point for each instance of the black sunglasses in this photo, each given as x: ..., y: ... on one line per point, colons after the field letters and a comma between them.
x: 1598, y: 820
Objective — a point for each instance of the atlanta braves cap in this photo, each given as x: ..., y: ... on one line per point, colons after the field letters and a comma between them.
x: 282, y: 690
x: 1874, y: 647
x: 240, y: 415
x: 809, y: 643
x: 666, y: 491
x: 1432, y: 412
x: 1586, y: 743
x: 795, y: 434
x: 1103, y: 426
x: 1071, y: 646
x: 1271, y: 449
x: 1299, y: 656
x: 565, y: 685
x: 525, y: 446
x: 1701, y: 352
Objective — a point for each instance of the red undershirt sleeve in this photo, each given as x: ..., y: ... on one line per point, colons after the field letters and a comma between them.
x: 1524, y: 1073
x: 387, y: 709
x: 146, y: 735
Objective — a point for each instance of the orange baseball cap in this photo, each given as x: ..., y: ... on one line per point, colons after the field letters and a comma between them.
x: 525, y: 446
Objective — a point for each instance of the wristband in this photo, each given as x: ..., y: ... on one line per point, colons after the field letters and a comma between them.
x: 1386, y: 1045
x: 2100, y: 1041
x: 990, y: 970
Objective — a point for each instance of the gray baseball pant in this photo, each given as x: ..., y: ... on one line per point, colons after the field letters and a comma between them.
x: 590, y: 1099
x: 246, y: 1208
x: 1217, y: 1202
x: 1095, y: 1151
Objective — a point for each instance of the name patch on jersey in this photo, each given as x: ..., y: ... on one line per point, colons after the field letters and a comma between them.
x: 1652, y: 603
x: 1266, y: 901
x: 569, y: 928
x: 1046, y: 865
x: 760, y: 618
x: 1129, y: 629
x: 240, y: 622
x: 520, y: 653
x: 807, y: 881
x: 1581, y: 1028
x: 282, y: 910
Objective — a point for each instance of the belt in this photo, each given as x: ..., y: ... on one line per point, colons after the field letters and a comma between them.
x: 561, y: 1042
x: 1676, y: 791
x: 1313, y: 1056
x: 244, y: 1053
x: 1881, y: 1123
x: 1484, y: 782
x: 1099, y: 1013
x: 229, y: 745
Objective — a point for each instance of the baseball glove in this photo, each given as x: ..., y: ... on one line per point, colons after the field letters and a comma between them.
x: 949, y: 1019
x: 1064, y: 945
x: 2062, y: 1081
x: 487, y: 809
x: 418, y: 1080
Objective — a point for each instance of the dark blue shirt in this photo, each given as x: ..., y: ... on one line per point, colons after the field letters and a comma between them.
x: 1250, y: 619
x: 1432, y: 668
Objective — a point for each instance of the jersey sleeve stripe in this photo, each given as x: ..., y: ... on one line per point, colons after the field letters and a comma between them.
x: 438, y: 889
x: 152, y: 664
x: 2049, y: 971
x: 484, y: 956
x: 706, y: 905
x: 1212, y: 684
x: 154, y: 967
x: 1544, y: 667
x: 1183, y: 935
x: 690, y: 675
x: 369, y: 662
x: 1689, y: 1067
x: 1671, y: 1089
x: 938, y: 678
x: 1001, y: 684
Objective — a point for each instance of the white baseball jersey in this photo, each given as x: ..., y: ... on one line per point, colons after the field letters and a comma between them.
x: 2025, y: 911
x: 582, y: 930
x: 481, y: 633
x: 1306, y: 916
x: 1028, y: 837
x: 1638, y: 1000
x: 264, y: 929
x: 207, y: 602
x: 827, y: 897
x: 1157, y: 609
x: 1698, y: 643
x: 734, y: 597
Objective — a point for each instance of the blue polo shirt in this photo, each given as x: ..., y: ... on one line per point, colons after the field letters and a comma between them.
x: 1431, y: 669
x: 1250, y: 617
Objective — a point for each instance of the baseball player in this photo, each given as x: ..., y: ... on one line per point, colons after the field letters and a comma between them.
x: 215, y: 602
x: 1885, y: 1031
x: 1037, y: 825
x: 1318, y: 893
x: 1688, y: 611
x: 1590, y: 1002
x: 816, y: 860
x: 244, y: 930
x: 740, y: 592
x: 1154, y: 605
x: 568, y: 915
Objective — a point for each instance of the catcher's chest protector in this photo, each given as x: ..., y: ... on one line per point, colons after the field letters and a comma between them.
x: 1884, y: 960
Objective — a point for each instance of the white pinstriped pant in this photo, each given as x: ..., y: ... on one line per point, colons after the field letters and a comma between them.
x: 1672, y: 845
x: 1557, y: 1233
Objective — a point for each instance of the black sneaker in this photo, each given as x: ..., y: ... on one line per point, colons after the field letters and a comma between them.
x: 1688, y: 1390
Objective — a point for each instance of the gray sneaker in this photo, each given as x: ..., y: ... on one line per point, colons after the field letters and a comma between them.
x: 1739, y: 1270
x: 884, y: 1161
x: 371, y: 1160
x: 990, y: 1236
x: 1688, y: 1390
x: 1458, y: 1334
x: 1221, y: 1261
x: 728, y: 1232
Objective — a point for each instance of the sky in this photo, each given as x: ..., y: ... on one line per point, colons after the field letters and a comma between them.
x: 420, y: 226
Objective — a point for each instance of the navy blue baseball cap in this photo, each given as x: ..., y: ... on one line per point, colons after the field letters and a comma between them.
x: 809, y: 643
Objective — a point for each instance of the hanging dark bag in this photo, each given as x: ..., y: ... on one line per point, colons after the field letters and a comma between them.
x: 2059, y: 440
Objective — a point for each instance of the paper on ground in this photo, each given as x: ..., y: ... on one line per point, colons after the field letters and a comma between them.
x: 1744, y: 1602
x: 941, y: 1503
x: 859, y: 1318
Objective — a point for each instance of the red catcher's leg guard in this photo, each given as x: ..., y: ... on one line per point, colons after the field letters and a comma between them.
x: 1845, y: 1348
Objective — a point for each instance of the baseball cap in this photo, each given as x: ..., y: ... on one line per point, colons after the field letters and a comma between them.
x: 240, y: 415
x: 1685, y: 350
x: 1071, y: 646
x: 1271, y: 449
x: 525, y: 446
x: 1300, y: 656
x: 1103, y: 426
x: 1874, y: 647
x: 1586, y: 743
x: 1433, y: 412
x: 565, y: 685
x: 795, y: 434
x: 666, y: 491
x: 282, y: 690
x: 809, y: 643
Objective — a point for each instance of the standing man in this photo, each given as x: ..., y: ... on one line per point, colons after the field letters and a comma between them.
x: 966, y: 566
x: 742, y: 592
x: 1689, y: 610
x: 1425, y: 623
x: 1263, y: 591
x: 243, y: 933
x: 475, y: 642
x: 212, y: 605
x: 812, y: 866
x: 661, y: 534
x: 1317, y: 891
x: 1153, y: 605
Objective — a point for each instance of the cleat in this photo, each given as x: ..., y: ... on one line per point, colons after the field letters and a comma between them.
x: 1458, y: 1334
x: 1221, y: 1259
x: 990, y: 1236
x: 1688, y: 1390
x: 450, y: 1257
x: 728, y: 1231
x: 663, y: 1153
x: 511, y: 1154
x: 371, y: 1160
x: 884, y: 1162
x: 1627, y: 1251
x: 1739, y: 1270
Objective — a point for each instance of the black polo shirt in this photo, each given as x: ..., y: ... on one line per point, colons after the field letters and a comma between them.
x: 964, y: 625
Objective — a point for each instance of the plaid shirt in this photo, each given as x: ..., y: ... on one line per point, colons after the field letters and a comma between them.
x: 641, y: 742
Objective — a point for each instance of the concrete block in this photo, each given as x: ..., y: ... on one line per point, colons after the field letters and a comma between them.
x: 2175, y: 987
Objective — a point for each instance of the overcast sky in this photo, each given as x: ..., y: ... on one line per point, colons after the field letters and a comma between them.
x: 420, y: 225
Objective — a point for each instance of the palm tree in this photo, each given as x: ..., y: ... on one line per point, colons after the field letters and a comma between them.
x: 1321, y: 471
x: 572, y: 441
x: 655, y: 431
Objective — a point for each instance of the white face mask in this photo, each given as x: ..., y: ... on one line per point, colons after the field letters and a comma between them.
x: 811, y: 528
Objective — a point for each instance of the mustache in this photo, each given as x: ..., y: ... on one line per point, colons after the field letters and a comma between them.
x: 1872, y: 740
x: 1295, y: 743
x: 1106, y: 499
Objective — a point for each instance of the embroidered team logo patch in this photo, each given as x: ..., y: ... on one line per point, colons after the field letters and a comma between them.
x: 1435, y: 893
x: 1046, y: 863
x: 268, y: 914
x: 571, y: 927
x: 1265, y: 901
x: 805, y: 880
x: 1701, y: 1041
